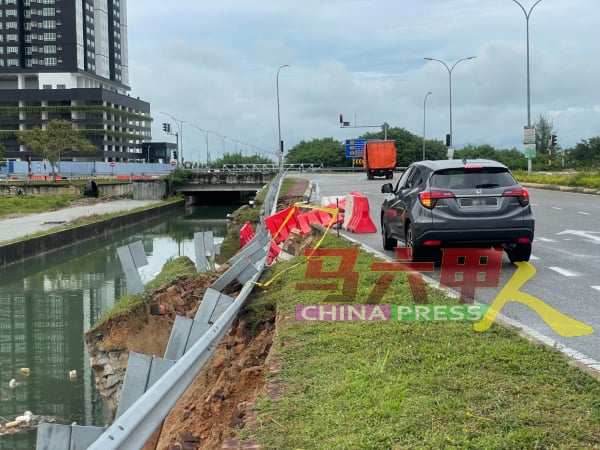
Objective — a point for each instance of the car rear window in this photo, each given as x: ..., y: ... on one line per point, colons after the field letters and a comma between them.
x: 472, y: 178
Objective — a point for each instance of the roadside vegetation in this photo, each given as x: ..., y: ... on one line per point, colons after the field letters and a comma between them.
x: 376, y: 385
x: 582, y: 179
x: 133, y: 303
x: 550, y: 156
x: 29, y: 204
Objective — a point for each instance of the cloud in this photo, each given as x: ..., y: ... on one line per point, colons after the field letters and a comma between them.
x: 214, y: 64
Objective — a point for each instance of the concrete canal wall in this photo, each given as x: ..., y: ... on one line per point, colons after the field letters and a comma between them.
x: 23, y: 250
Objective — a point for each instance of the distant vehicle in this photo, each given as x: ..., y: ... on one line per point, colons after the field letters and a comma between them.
x: 379, y: 159
x: 454, y: 203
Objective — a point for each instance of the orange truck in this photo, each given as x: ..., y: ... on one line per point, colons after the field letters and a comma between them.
x: 379, y: 159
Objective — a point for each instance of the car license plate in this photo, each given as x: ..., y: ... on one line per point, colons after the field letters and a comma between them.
x: 479, y: 201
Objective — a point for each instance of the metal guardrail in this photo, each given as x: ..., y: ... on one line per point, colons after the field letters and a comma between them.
x: 272, y: 167
x: 165, y: 380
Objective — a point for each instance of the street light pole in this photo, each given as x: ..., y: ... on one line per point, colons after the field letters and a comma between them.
x: 279, y: 143
x: 179, y: 124
x: 205, y: 132
x: 450, y: 69
x: 424, y: 100
x: 527, y: 15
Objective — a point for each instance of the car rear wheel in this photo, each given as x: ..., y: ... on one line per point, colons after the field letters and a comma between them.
x: 418, y: 253
x: 388, y: 243
x: 520, y: 252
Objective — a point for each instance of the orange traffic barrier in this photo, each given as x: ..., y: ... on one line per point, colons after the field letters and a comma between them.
x: 340, y: 204
x: 360, y: 220
x: 246, y: 233
x: 274, y: 250
x: 303, y: 224
x: 282, y: 223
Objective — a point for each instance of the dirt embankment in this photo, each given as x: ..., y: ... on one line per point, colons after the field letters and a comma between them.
x: 215, y: 406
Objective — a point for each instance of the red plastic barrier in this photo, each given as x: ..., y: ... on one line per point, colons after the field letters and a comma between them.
x: 274, y: 250
x: 303, y: 224
x: 341, y: 205
x: 360, y: 221
x: 246, y: 233
x: 282, y: 223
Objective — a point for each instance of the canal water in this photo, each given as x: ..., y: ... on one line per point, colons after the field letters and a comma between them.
x: 48, y: 303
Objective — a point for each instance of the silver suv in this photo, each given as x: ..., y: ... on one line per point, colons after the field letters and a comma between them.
x: 457, y: 203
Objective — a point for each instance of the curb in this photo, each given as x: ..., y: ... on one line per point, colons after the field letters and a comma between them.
x: 556, y: 187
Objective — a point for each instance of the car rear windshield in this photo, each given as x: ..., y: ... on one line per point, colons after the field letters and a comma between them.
x: 472, y: 178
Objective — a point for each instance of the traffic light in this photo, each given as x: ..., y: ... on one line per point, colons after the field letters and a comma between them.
x: 166, y: 127
x: 342, y: 123
x: 174, y: 154
x: 448, y: 140
x: 553, y: 140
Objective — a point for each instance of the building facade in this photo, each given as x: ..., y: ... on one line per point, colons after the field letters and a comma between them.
x: 68, y: 59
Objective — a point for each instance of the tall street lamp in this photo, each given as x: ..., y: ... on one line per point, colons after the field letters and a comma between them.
x: 450, y: 69
x: 205, y: 132
x: 424, y: 101
x: 179, y: 136
x: 527, y: 15
x: 280, y: 142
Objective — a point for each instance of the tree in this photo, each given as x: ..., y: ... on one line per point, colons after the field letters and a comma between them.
x: 586, y: 153
x: 543, y: 134
x: 58, y: 137
x: 325, y: 151
x: 513, y: 159
x: 409, y: 147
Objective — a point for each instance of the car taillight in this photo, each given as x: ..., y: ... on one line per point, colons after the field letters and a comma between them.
x: 429, y: 198
x: 521, y: 194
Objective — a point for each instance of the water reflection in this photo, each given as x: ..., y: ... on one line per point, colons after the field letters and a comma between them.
x: 47, y: 304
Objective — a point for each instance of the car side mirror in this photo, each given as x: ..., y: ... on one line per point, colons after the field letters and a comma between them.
x: 387, y: 188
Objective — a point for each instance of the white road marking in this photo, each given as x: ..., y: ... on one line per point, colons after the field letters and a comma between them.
x: 564, y: 272
x: 556, y: 207
x: 584, y: 213
x: 544, y: 239
x: 592, y: 235
x: 596, y: 287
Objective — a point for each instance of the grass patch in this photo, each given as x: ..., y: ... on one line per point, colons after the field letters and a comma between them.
x: 231, y: 243
x: 29, y: 204
x: 129, y: 303
x: 415, y: 385
x: 286, y: 184
x: 589, y: 180
x: 93, y: 218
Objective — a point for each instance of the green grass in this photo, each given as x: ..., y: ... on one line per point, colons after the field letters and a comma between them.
x: 28, y: 204
x: 589, y: 180
x: 414, y: 385
x: 93, y: 218
x: 130, y: 304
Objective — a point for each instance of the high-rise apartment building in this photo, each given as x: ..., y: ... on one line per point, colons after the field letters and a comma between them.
x: 68, y: 59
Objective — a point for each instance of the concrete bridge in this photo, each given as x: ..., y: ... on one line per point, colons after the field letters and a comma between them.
x: 224, y: 186
x: 233, y: 181
x: 226, y: 181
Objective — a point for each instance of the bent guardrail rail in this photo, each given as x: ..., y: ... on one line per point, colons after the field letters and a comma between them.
x: 153, y: 385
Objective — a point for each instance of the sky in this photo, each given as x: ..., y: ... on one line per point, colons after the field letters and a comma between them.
x: 217, y: 66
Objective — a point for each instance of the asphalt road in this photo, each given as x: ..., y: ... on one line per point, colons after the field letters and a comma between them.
x: 566, y: 256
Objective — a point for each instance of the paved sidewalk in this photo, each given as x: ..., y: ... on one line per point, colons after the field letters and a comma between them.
x: 18, y: 227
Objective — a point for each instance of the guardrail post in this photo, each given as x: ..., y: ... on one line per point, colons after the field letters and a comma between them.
x: 133, y: 256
